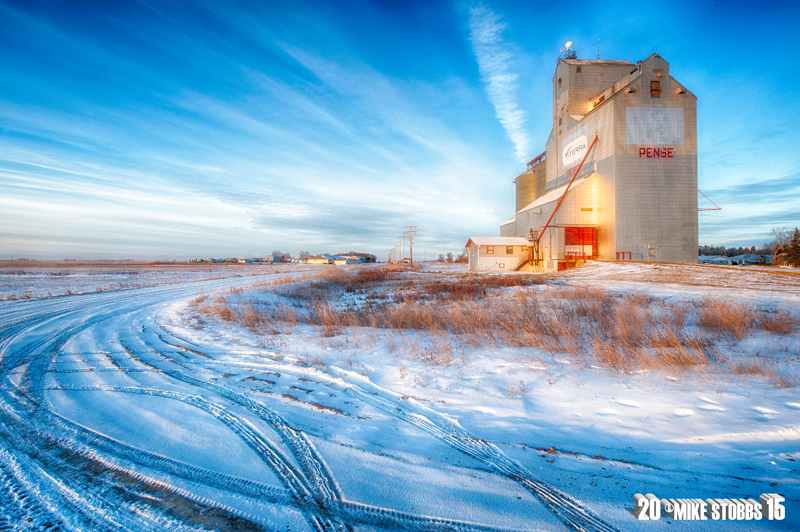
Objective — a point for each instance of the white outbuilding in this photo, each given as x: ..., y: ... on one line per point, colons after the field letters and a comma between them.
x: 502, y: 254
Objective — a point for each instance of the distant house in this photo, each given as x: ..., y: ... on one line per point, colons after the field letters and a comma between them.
x: 749, y: 258
x: 497, y: 253
x: 741, y: 260
x: 321, y: 259
x: 713, y: 259
x: 706, y: 259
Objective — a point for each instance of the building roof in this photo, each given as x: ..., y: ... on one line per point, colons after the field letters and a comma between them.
x: 497, y: 241
x: 621, y: 87
x: 554, y: 194
x: 602, y: 62
x: 528, y: 171
x: 512, y: 220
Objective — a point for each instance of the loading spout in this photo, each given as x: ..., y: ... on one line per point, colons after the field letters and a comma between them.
x: 717, y: 207
x: 577, y: 170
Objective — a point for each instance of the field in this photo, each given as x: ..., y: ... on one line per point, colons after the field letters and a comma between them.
x: 39, y: 279
x: 383, y: 397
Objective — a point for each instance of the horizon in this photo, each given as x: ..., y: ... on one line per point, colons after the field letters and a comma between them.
x: 136, y: 131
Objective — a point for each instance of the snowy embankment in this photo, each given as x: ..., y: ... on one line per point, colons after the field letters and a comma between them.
x: 415, y: 400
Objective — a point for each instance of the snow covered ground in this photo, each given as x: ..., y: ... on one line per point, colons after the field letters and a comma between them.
x: 134, y: 408
x: 37, y: 279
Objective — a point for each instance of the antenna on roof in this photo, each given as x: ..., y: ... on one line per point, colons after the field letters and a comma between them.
x: 598, y: 49
x: 567, y: 52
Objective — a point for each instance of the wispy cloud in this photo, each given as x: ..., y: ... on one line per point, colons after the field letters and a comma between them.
x: 238, y: 152
x: 750, y: 211
x: 493, y: 55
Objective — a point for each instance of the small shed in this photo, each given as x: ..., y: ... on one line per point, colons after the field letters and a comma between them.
x: 713, y: 259
x: 503, y: 254
x: 320, y: 259
x: 748, y: 258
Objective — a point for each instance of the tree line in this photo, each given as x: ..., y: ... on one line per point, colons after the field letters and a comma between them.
x: 449, y: 257
x: 784, y: 248
x: 305, y: 255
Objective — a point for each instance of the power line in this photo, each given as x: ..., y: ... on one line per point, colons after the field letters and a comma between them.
x: 410, y: 231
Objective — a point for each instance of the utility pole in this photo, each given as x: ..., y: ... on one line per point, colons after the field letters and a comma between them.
x: 410, y: 230
x: 403, y: 249
x: 390, y: 255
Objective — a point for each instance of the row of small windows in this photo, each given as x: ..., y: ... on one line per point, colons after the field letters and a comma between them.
x: 655, y: 87
x: 509, y: 250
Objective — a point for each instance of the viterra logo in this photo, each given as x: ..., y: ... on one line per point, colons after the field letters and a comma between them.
x: 573, y: 151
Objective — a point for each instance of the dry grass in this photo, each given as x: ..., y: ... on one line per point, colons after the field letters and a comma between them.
x: 666, y: 353
x: 729, y: 318
x: 425, y: 319
x: 748, y: 368
x: 196, y: 301
x: 780, y: 321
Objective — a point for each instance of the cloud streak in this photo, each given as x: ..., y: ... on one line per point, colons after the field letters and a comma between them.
x: 187, y: 130
x: 493, y: 55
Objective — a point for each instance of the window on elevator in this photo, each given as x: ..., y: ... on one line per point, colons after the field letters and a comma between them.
x: 655, y: 89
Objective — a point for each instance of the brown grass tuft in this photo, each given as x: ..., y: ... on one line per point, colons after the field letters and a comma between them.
x: 747, y: 368
x: 731, y: 319
x: 780, y: 321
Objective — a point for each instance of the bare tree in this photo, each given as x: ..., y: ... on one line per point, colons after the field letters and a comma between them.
x: 780, y: 243
x: 304, y: 255
x: 462, y: 257
x: 449, y: 257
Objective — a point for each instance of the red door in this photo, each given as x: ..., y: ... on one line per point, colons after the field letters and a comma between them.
x: 579, y: 243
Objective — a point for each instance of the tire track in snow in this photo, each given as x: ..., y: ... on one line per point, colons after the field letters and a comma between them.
x: 291, y: 478
x: 569, y: 510
x: 56, y: 495
x: 37, y: 422
x: 315, y: 468
x: 56, y: 486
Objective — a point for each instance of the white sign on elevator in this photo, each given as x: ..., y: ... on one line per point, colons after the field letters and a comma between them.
x: 574, y: 151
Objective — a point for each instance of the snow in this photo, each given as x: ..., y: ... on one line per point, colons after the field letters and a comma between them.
x: 373, y: 435
x: 30, y: 280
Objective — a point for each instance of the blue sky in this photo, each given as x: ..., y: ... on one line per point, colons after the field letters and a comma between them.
x: 176, y: 129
